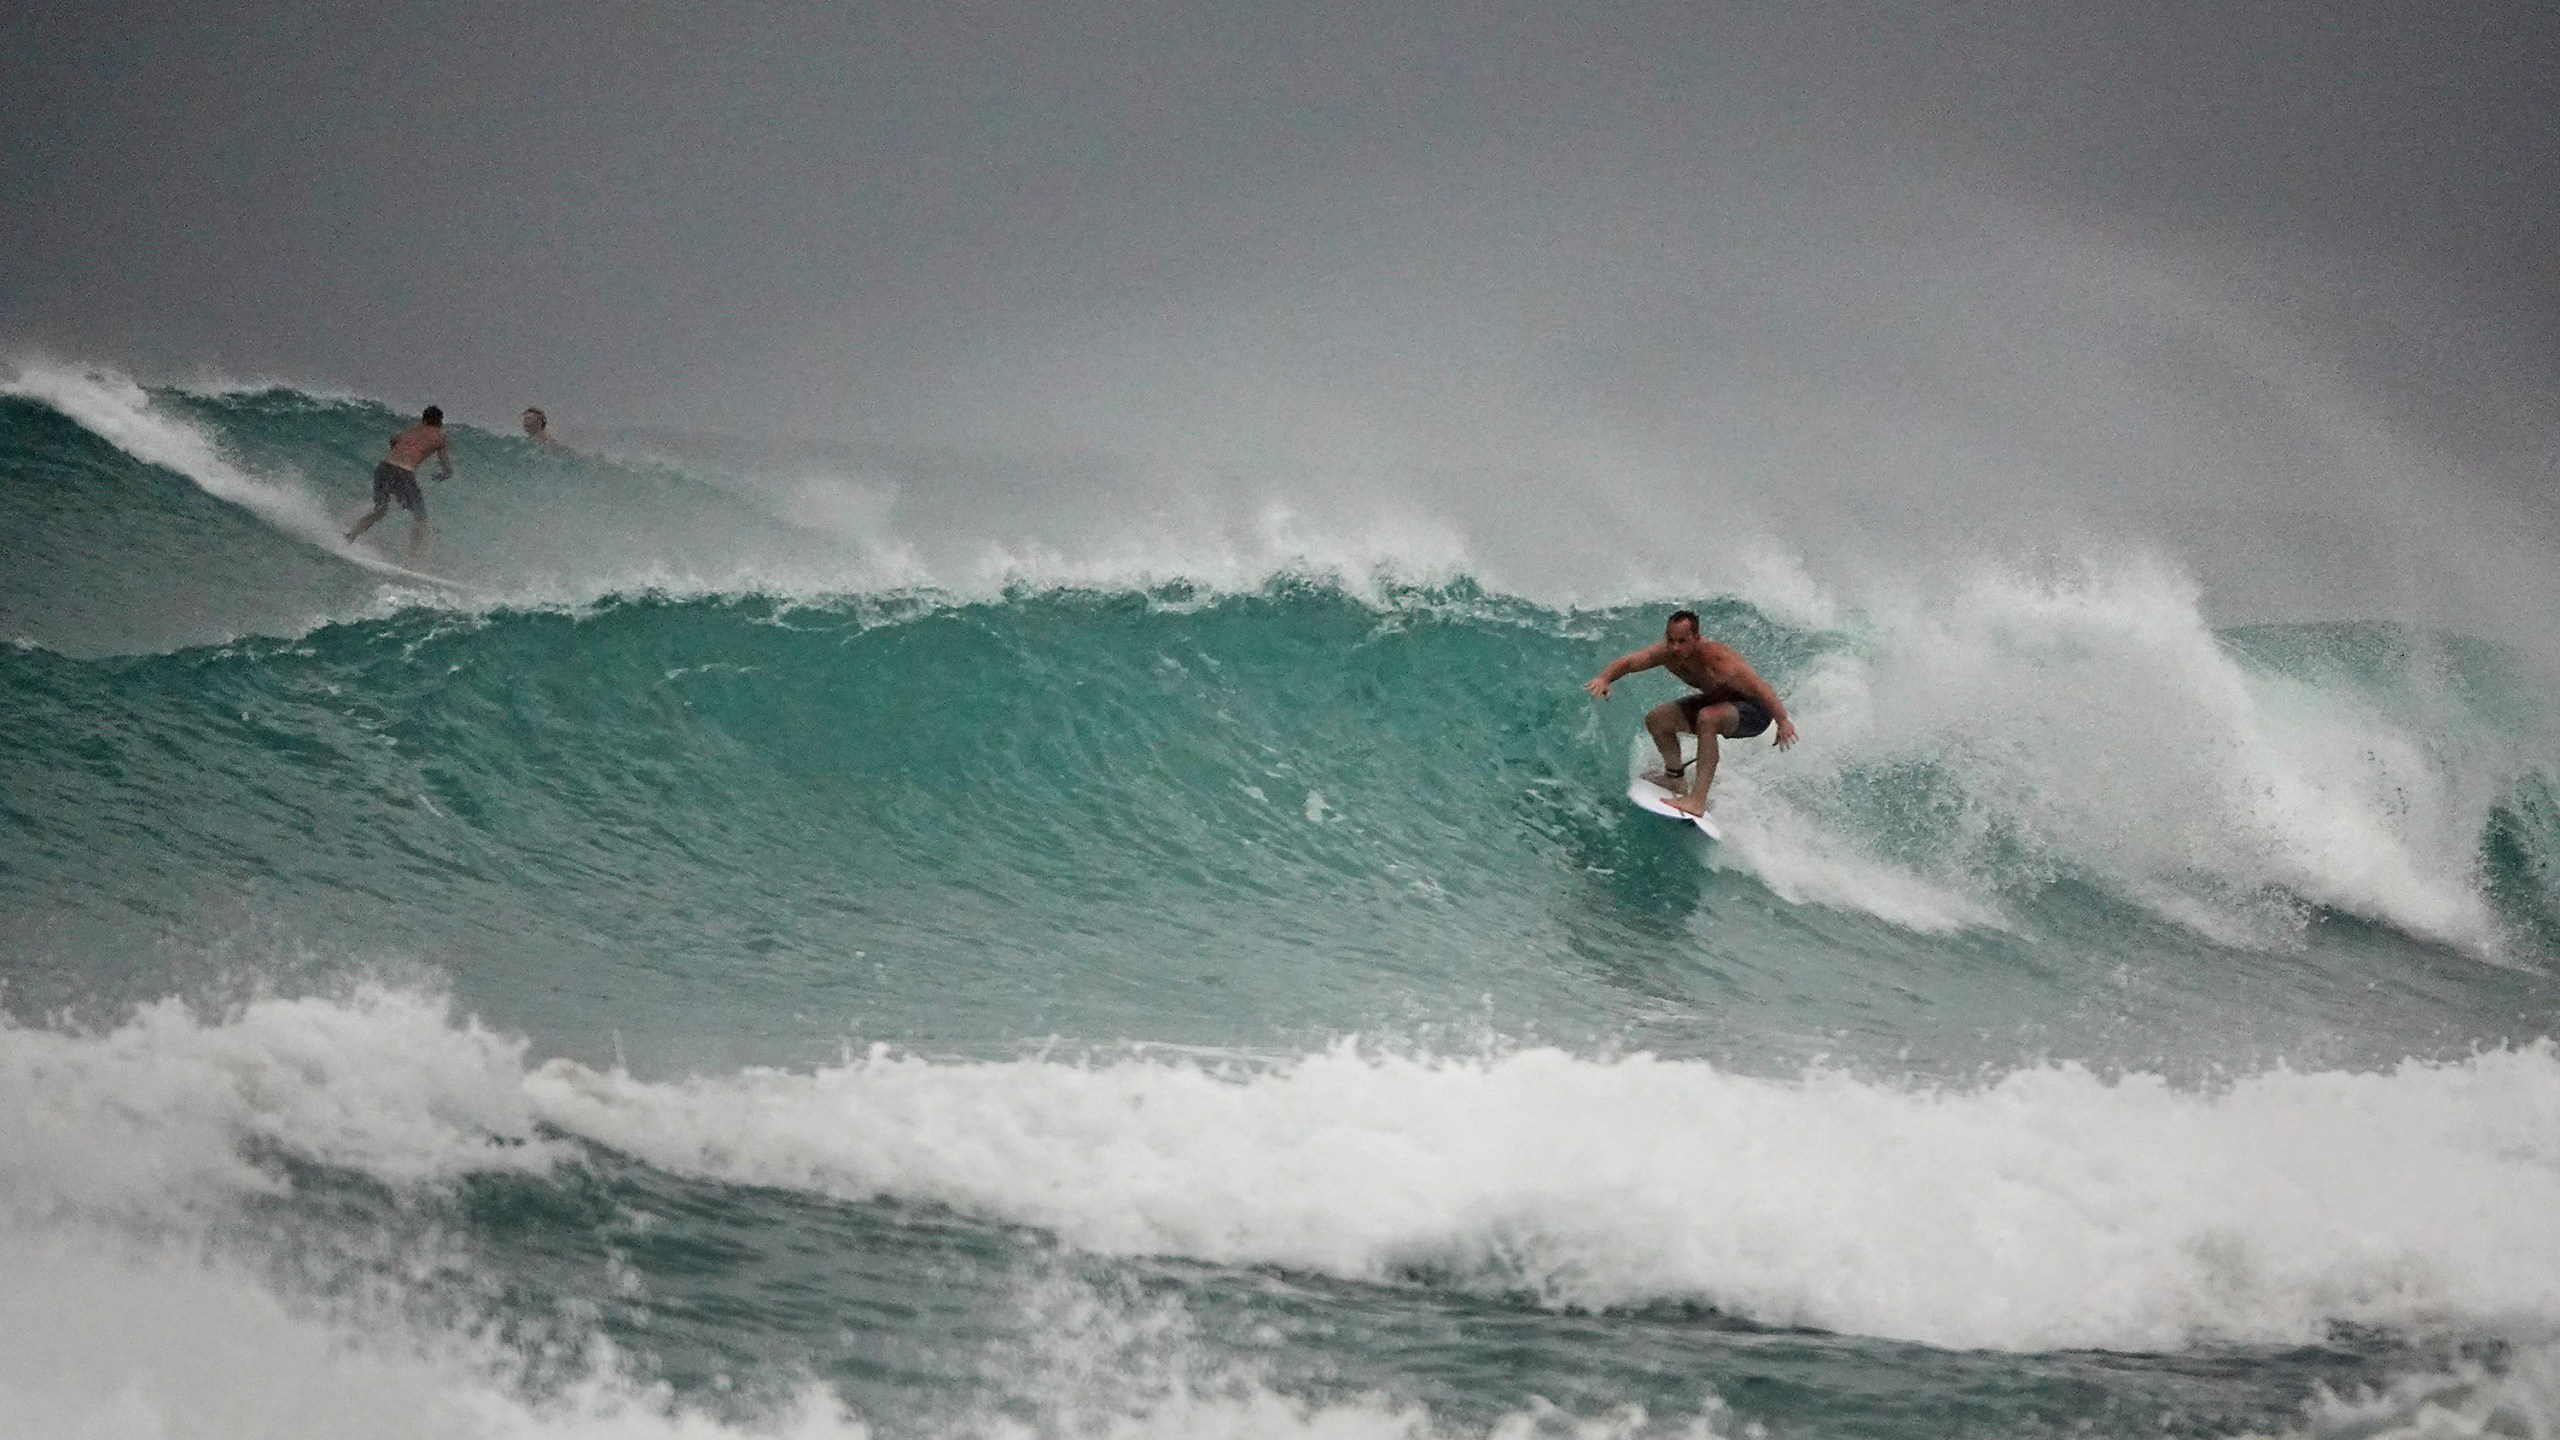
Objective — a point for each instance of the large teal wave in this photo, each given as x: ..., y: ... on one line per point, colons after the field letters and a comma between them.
x: 1078, y: 1001
x: 1262, y: 819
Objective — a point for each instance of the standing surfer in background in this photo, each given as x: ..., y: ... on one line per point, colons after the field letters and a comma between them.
x: 1730, y: 700
x: 396, y: 478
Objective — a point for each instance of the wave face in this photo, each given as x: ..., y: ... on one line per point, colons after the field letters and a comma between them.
x: 760, y: 955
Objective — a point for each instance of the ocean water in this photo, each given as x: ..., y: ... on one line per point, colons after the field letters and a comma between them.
x: 763, y: 958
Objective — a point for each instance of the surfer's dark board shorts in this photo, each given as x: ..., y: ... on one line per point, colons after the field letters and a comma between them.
x: 1748, y: 718
x: 390, y: 482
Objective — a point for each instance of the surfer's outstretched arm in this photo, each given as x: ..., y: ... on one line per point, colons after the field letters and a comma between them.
x: 1624, y: 666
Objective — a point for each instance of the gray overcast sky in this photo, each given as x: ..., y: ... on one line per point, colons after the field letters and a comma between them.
x: 912, y: 220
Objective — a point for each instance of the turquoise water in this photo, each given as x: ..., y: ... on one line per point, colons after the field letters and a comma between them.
x: 739, y: 970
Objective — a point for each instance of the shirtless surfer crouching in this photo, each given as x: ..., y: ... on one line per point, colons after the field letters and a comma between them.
x: 396, y: 478
x: 1731, y: 700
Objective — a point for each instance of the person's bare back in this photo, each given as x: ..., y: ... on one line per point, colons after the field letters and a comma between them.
x: 411, y: 447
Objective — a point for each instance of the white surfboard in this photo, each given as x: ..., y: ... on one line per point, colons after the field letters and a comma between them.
x: 366, y: 561
x: 1649, y: 796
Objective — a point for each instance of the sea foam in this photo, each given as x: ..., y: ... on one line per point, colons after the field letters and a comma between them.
x: 2093, y: 724
x: 167, y: 1112
x: 2048, y: 1207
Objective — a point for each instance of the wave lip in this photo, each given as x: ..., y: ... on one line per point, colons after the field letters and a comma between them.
x: 120, y: 412
x: 115, y: 1346
x: 1967, y: 745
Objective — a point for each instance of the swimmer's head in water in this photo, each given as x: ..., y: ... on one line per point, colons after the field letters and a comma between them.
x: 535, y: 422
x: 434, y: 415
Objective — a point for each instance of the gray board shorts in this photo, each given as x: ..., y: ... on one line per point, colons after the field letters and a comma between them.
x: 1749, y: 718
x: 390, y: 482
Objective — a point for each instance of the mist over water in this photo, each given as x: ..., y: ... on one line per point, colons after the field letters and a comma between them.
x: 1893, y: 368
x: 1082, y: 937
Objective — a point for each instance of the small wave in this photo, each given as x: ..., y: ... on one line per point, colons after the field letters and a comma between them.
x: 110, y: 1346
x: 107, y: 1342
x: 535, y: 528
x: 2517, y: 1398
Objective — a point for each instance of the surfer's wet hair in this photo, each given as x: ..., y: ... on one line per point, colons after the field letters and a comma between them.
x: 1679, y: 615
x: 434, y: 415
